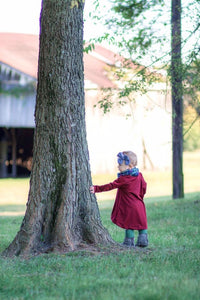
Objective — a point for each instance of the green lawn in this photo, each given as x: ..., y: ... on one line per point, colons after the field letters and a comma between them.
x: 159, y: 183
x: 168, y: 269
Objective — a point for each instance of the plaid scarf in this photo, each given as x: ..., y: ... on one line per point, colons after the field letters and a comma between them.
x: 131, y: 172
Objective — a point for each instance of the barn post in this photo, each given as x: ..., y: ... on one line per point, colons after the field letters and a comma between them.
x: 14, y: 150
x: 3, y: 158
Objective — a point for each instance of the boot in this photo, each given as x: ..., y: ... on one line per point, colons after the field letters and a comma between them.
x: 128, y: 242
x: 142, y: 240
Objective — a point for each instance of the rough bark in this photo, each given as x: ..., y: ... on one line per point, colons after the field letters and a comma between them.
x: 177, y: 101
x: 61, y: 213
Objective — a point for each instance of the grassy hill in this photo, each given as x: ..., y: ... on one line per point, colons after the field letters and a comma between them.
x: 168, y: 269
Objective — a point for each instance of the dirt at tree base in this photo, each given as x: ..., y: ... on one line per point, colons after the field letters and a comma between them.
x: 94, y: 250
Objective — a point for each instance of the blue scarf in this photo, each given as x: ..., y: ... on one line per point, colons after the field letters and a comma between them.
x: 132, y: 172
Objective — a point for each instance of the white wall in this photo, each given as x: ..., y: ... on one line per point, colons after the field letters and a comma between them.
x: 111, y: 133
x: 17, y: 111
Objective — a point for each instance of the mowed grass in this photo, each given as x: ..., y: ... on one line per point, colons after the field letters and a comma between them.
x: 159, y: 183
x: 168, y: 269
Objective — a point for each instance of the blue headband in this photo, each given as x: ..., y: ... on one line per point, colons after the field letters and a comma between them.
x: 123, y: 157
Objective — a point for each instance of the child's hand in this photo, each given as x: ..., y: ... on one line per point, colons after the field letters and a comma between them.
x: 92, y: 189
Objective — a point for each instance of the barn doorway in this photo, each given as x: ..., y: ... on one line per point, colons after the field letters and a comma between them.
x: 16, y: 152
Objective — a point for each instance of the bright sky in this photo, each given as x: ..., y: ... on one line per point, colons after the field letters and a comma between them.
x: 23, y: 16
x: 20, y: 16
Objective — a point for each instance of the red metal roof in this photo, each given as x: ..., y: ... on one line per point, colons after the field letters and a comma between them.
x: 20, y: 51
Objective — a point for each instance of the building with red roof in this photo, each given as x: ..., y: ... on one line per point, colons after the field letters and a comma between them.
x: 107, y: 134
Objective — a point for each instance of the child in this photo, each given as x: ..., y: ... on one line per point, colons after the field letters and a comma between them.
x: 129, y: 210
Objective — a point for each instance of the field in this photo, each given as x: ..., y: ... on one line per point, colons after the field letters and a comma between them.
x: 159, y: 183
x: 168, y: 269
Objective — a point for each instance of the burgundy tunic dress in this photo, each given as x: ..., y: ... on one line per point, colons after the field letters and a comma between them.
x: 129, y: 210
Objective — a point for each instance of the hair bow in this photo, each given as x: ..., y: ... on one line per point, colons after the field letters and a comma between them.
x: 123, y: 157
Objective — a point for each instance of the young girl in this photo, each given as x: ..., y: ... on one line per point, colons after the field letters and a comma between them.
x: 129, y: 210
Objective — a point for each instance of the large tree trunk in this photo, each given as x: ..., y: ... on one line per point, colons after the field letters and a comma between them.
x: 61, y: 213
x: 177, y: 101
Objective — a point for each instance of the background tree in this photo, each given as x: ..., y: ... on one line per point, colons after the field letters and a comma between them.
x: 177, y: 100
x: 140, y: 28
x: 61, y: 213
x: 191, y: 92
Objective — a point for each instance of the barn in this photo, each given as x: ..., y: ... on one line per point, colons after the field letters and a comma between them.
x: 107, y: 134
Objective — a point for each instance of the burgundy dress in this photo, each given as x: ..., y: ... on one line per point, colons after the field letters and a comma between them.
x: 129, y: 210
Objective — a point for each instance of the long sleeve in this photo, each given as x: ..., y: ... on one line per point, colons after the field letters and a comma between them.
x: 107, y: 187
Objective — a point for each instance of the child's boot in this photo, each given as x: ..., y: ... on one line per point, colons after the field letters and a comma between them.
x: 128, y: 242
x: 142, y: 240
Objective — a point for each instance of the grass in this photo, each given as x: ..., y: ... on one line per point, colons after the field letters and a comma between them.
x: 14, y: 192
x: 168, y: 269
x: 159, y: 183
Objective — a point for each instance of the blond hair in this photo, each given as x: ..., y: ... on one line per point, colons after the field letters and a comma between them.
x: 132, y: 157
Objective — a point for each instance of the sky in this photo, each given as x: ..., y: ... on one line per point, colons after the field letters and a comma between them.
x: 22, y: 16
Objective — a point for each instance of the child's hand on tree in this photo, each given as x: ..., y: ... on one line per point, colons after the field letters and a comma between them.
x: 92, y: 189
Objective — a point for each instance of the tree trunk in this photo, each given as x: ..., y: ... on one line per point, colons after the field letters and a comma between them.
x: 61, y: 213
x: 177, y: 101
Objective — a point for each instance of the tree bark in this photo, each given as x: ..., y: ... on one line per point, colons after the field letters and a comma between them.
x: 177, y: 101
x: 61, y: 213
